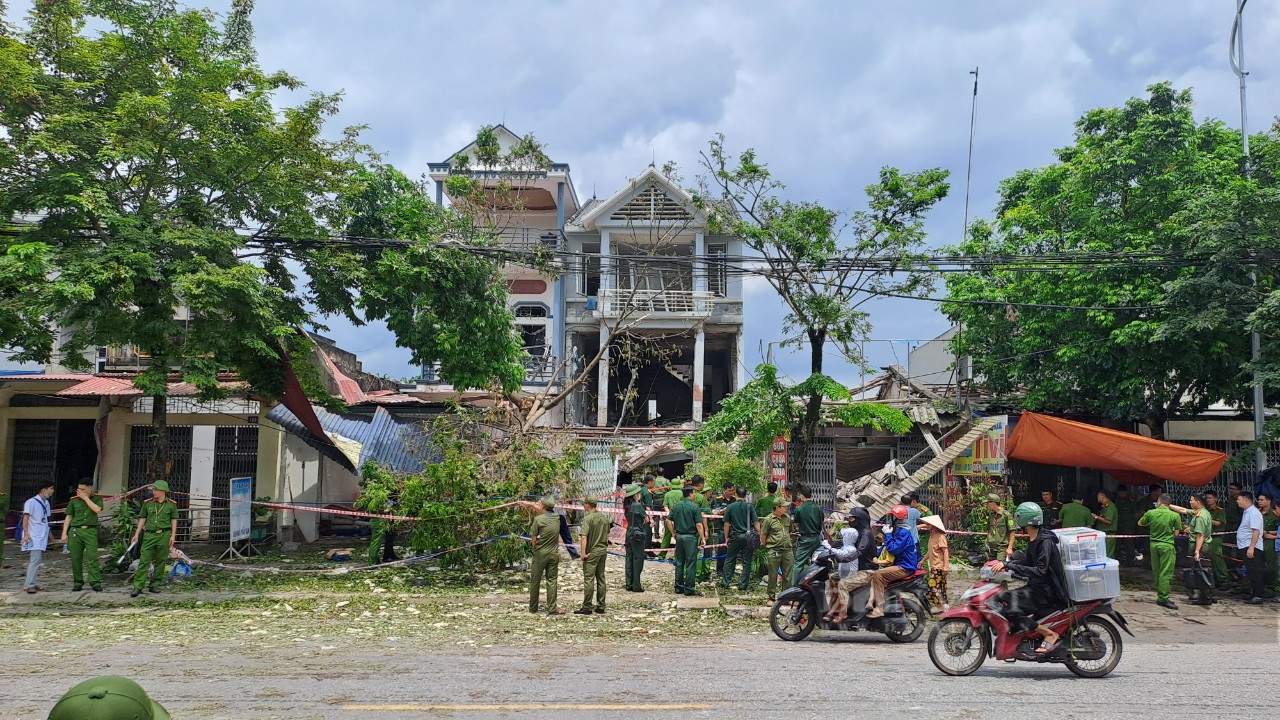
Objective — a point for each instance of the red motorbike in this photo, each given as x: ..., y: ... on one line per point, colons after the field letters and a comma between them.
x: 966, y: 634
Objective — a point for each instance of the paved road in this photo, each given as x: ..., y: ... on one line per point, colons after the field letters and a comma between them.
x: 1166, y: 673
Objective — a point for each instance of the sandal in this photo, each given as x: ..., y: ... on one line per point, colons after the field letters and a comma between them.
x: 1047, y: 647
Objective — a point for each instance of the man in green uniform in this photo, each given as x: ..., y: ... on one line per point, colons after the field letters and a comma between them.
x: 595, y: 549
x: 637, y: 537
x: 808, y: 522
x: 109, y: 697
x: 1234, y: 515
x: 685, y: 523
x: 739, y: 519
x: 670, y: 499
x: 764, y: 508
x: 1218, y: 517
x: 704, y: 504
x: 1162, y: 525
x: 999, y: 530
x: 1075, y: 514
x: 775, y: 538
x: 646, y: 493
x: 1270, y: 524
x: 1107, y: 519
x: 1201, y: 540
x: 158, y: 527
x: 544, y: 538
x: 1050, y: 507
x: 80, y: 533
x: 727, y: 495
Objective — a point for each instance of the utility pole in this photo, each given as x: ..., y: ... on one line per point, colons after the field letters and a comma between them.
x: 968, y: 175
x: 1236, y: 56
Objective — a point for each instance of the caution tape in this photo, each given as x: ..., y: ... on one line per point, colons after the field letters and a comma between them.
x: 342, y: 570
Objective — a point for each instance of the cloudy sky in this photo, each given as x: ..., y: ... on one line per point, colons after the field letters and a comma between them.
x: 827, y: 92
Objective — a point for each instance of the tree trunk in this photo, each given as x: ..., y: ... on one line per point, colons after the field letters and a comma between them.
x: 812, y: 414
x: 158, y: 464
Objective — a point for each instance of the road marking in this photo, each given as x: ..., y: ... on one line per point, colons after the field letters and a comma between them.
x: 511, y: 707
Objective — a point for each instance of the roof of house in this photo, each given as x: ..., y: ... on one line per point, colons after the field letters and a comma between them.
x: 651, y: 177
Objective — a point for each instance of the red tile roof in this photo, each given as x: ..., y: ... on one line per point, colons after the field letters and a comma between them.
x: 116, y: 385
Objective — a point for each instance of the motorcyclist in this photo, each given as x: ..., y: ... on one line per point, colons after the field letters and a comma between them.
x: 857, y: 540
x: 905, y: 552
x: 1046, y: 585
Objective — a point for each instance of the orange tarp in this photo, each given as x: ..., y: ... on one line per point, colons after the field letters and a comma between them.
x: 1131, y: 459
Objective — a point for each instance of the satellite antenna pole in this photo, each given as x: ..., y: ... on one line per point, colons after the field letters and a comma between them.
x: 1236, y: 56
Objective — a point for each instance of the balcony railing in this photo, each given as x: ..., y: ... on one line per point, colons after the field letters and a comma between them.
x: 538, y: 370
x: 655, y: 303
x: 528, y: 239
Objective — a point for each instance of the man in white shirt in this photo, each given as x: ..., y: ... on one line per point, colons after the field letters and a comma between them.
x: 1249, y: 544
x: 35, y: 532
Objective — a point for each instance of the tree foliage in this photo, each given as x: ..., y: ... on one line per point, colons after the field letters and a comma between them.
x: 472, y: 468
x: 766, y: 408
x: 1163, y: 333
x: 444, y: 304
x: 720, y: 463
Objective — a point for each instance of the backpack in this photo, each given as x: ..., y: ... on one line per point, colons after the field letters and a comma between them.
x: 753, y: 540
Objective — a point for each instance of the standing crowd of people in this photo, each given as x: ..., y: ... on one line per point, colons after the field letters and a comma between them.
x: 1235, y: 543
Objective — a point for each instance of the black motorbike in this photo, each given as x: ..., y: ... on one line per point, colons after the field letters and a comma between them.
x: 800, y: 609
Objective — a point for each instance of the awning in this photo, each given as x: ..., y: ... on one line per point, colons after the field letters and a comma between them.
x: 1131, y: 459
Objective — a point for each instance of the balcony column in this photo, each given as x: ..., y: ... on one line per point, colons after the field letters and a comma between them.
x: 602, y: 378
x: 699, y: 362
x: 606, y: 262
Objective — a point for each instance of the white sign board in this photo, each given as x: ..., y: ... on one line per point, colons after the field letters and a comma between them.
x: 241, y: 508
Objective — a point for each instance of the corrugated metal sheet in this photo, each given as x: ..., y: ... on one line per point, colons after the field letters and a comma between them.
x: 396, y: 443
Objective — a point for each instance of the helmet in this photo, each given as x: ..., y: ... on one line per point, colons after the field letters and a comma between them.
x: 899, y: 511
x: 1028, y: 513
x: 108, y: 697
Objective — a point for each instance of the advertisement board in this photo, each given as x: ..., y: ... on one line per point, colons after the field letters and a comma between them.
x: 241, y: 508
x: 987, y: 455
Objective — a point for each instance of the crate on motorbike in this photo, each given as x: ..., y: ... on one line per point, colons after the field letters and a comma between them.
x: 1093, y: 581
x: 1081, y: 546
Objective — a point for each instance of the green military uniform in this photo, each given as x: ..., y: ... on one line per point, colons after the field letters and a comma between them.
x: 545, y: 531
x: 1109, y: 524
x: 808, y: 522
x: 1074, y: 514
x: 1220, y: 576
x: 637, y: 541
x: 595, y: 529
x: 1234, y: 516
x: 778, y: 548
x: 669, y: 500
x: 704, y: 565
x: 764, y: 508
x: 1202, y: 524
x: 740, y: 519
x: 1162, y: 525
x: 1051, y: 513
x: 687, y: 518
x: 157, y: 518
x: 999, y: 527
x: 82, y: 540
x: 716, y: 525
x: 1270, y: 524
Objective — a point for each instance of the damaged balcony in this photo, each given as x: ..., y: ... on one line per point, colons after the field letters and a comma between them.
x: 694, y: 304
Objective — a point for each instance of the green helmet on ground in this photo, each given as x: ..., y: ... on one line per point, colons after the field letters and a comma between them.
x: 1028, y: 513
x: 109, y: 697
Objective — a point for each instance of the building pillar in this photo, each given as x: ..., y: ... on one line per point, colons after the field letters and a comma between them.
x: 203, y: 441
x: 557, y: 328
x: 699, y: 261
x: 440, y: 193
x: 606, y: 262
x: 602, y: 379
x: 699, y: 363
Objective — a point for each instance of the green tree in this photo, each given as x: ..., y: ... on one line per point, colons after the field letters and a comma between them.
x: 766, y: 407
x: 444, y: 303
x: 1139, y: 307
x: 823, y: 264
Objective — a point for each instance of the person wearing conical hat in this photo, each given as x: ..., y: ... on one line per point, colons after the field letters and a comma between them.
x: 158, y: 527
x: 938, y: 558
x: 637, y: 516
x: 109, y: 697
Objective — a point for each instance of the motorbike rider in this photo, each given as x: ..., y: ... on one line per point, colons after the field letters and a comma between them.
x: 1046, y: 585
x: 905, y: 558
x: 857, y: 542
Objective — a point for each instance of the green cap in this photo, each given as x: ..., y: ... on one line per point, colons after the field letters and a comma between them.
x: 160, y: 485
x: 992, y: 497
x: 549, y: 503
x: 109, y: 697
x: 591, y: 500
x: 779, y: 502
x: 630, y: 490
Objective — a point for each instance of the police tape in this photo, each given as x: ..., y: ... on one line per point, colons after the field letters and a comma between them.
x: 1110, y: 536
x: 342, y: 569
